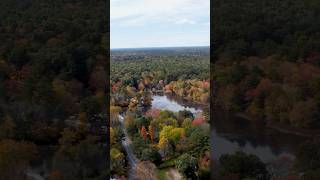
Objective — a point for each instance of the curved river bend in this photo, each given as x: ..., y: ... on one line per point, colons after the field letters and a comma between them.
x: 230, y: 134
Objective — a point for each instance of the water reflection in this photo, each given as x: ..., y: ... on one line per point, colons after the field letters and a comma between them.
x: 230, y: 133
x: 228, y: 145
x: 167, y: 103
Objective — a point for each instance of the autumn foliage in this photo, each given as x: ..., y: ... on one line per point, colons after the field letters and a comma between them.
x: 143, y: 133
x: 198, y: 121
x: 151, y: 133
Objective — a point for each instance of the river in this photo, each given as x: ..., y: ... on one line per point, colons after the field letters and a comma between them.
x: 230, y: 134
x: 172, y: 104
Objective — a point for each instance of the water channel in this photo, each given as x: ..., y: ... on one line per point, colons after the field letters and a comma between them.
x: 230, y: 133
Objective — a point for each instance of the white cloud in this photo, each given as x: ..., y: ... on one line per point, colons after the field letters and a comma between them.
x: 142, y: 12
x: 156, y: 23
x: 185, y: 21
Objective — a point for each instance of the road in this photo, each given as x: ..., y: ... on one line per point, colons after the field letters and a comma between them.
x: 130, y: 156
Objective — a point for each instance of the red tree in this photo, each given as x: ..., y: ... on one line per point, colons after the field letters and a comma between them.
x: 151, y: 133
x: 198, y: 121
x: 143, y: 133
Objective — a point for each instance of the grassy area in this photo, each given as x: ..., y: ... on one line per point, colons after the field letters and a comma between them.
x: 161, y: 173
x: 168, y: 163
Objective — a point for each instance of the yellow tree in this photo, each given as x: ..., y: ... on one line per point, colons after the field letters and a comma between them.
x: 172, y: 133
x: 164, y: 147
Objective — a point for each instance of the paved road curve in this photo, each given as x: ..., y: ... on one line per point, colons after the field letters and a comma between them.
x: 130, y: 156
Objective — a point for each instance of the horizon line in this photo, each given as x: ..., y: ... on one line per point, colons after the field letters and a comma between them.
x: 155, y: 47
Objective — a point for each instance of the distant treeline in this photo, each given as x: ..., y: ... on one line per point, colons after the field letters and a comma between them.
x: 288, y: 28
x: 166, y: 68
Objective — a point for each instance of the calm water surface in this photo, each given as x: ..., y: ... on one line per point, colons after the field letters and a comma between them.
x: 230, y: 134
x: 166, y: 103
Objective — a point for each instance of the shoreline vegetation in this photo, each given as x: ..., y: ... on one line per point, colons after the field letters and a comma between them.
x: 309, y: 133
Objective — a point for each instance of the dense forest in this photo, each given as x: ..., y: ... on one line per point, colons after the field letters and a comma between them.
x: 52, y: 89
x: 288, y: 28
x: 167, y: 72
x: 162, y: 141
x: 266, y: 68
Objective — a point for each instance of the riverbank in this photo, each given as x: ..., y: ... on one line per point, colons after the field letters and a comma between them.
x: 173, y: 94
x: 185, y: 101
x: 307, y: 133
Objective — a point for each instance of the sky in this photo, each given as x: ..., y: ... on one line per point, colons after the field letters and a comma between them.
x: 159, y: 23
